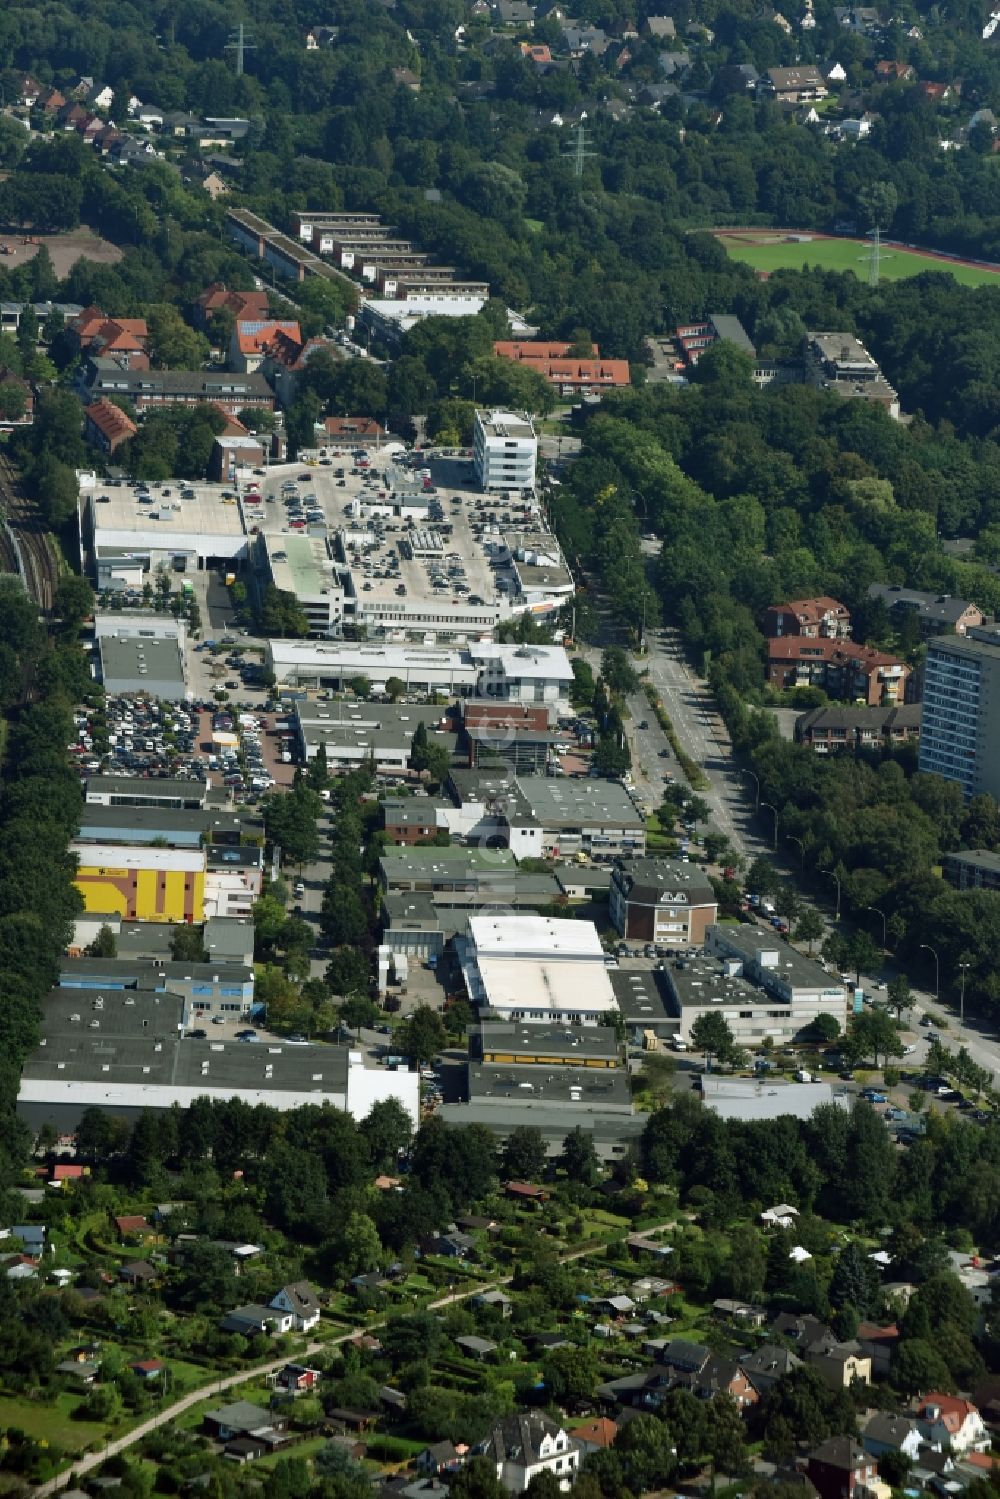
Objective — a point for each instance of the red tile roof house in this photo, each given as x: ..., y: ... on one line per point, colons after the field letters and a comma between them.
x: 148, y: 1368
x: 822, y: 617
x: 132, y: 1225
x: 526, y: 1192
x: 252, y: 337
x: 107, y: 426
x: 124, y: 338
x: 351, y: 427
x: 568, y: 373
x: 842, y: 668
x: 947, y: 1421
x: 594, y: 1435
x: 240, y: 304
x: 893, y: 72
x: 62, y: 1174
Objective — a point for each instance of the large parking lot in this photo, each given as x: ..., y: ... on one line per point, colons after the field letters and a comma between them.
x: 248, y: 751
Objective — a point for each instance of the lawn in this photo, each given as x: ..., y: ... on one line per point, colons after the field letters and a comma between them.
x: 52, y: 1421
x: 845, y: 255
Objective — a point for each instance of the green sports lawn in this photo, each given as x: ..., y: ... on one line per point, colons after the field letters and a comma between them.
x: 848, y: 255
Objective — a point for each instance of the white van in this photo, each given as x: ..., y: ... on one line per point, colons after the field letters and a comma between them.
x: 678, y: 1043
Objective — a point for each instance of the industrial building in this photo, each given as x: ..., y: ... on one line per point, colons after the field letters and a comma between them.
x: 174, y: 827
x: 132, y: 662
x: 531, y: 674
x: 794, y: 981
x: 566, y: 817
x: 139, y: 791
x: 749, y: 1100
x: 505, y: 450
x: 208, y: 989
x: 535, y: 968
x: 145, y: 884
x: 132, y: 533
x: 127, y: 1052
x: 445, y: 869
x: 701, y: 985
x: 662, y: 901
x: 353, y: 734
x: 503, y: 1043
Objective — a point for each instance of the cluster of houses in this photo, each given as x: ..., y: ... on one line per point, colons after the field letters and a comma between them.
x: 84, y: 108
x: 809, y: 645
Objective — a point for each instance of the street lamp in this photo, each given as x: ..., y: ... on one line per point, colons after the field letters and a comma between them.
x: 835, y: 876
x: 756, y: 781
x: 882, y: 914
x: 802, y: 850
x: 926, y: 947
x: 771, y: 808
x: 961, y: 1003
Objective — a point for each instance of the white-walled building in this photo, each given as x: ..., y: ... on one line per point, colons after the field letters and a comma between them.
x: 523, y: 673
x: 532, y: 674
x: 505, y: 450
x: 536, y: 968
x: 527, y: 1443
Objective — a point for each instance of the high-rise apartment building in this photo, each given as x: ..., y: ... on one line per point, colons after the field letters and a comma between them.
x: 960, y: 730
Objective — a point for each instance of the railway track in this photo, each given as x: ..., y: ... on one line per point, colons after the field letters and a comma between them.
x: 37, y: 564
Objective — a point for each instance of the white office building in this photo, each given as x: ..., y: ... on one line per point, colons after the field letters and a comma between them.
x: 505, y: 450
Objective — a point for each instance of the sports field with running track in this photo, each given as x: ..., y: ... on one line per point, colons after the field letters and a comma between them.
x: 776, y: 250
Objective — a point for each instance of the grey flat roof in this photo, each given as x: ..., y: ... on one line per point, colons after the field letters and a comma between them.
x: 166, y: 820
x: 555, y: 802
x: 128, y: 664
x: 152, y: 786
x: 595, y: 876
x: 639, y: 996
x: 520, y: 1086
x: 109, y: 970
x: 450, y: 863
x: 792, y: 965
x: 699, y: 981
x: 137, y: 1040
x: 228, y: 938
x: 747, y: 1099
x: 554, y: 1121
x: 410, y: 811
x: 648, y: 879
x: 983, y: 642
x: 415, y: 911
x: 144, y: 939
x: 576, y: 1041
x: 976, y: 858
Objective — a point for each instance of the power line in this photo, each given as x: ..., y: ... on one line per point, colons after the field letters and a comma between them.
x: 578, y: 152
x: 875, y: 256
x: 239, y: 44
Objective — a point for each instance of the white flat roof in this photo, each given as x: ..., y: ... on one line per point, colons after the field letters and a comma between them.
x: 370, y: 660
x: 529, y: 936
x: 534, y: 984
x: 417, y: 307
x: 526, y: 662
x: 505, y: 424
x: 112, y: 856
